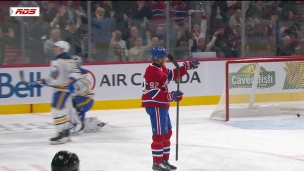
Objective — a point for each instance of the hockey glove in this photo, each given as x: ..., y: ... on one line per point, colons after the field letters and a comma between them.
x: 191, y: 65
x: 176, y: 96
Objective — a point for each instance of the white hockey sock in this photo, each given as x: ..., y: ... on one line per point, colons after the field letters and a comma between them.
x: 60, y: 119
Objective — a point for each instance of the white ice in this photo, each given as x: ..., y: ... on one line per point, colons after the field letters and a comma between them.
x: 124, y: 144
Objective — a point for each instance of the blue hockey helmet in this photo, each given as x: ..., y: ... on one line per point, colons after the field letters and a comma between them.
x: 65, y: 161
x: 158, y: 52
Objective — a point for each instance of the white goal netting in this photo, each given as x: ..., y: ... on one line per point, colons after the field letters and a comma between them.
x: 262, y: 88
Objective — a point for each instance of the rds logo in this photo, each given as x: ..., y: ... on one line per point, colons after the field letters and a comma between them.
x: 20, y: 89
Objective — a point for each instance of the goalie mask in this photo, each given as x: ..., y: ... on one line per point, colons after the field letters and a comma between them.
x: 65, y: 161
x: 78, y: 61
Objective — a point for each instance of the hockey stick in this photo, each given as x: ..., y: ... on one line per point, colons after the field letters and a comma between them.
x: 177, y: 104
x: 21, y: 74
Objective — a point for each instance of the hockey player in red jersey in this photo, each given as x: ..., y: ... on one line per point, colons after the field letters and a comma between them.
x: 156, y: 99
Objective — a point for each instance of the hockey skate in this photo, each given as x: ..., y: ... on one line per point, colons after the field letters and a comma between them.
x: 167, y: 164
x: 159, y: 167
x: 61, y: 138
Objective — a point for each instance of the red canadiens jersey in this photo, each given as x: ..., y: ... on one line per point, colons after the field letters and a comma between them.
x: 155, y: 85
x: 158, y: 11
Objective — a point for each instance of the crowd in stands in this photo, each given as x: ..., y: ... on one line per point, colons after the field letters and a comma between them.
x: 127, y: 30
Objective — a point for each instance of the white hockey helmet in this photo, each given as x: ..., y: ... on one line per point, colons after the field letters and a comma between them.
x: 64, y: 45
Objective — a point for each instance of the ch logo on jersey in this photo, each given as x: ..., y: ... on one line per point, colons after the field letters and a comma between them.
x: 54, y: 72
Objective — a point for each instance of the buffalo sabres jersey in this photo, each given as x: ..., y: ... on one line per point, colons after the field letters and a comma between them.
x: 61, y: 70
x: 84, y: 82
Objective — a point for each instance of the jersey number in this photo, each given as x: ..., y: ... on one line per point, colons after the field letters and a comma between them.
x: 153, y: 85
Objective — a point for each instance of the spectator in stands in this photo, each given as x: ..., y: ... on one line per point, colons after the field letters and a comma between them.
x: 15, y: 27
x: 201, y: 45
x: 196, y: 32
x: 155, y: 42
x: 270, y: 32
x: 140, y: 18
x: 205, y: 7
x: 286, y: 6
x: 84, y: 47
x: 175, y: 34
x: 55, y: 22
x: 181, y: 50
x: 69, y: 12
x: 219, y: 9
x: 133, y: 35
x: 64, y: 15
x: 119, y: 55
x: 122, y: 15
x: 107, y: 6
x: 220, y: 41
x: 96, y: 55
x: 254, y: 34
x: 116, y: 39
x: 73, y: 35
x: 200, y: 31
x: 285, y: 48
x: 48, y: 45
x: 179, y: 12
x: 235, y: 19
x: 48, y: 11
x: 238, y: 34
x: 158, y: 13
x: 6, y: 37
x: 140, y: 52
x: 231, y: 49
x: 291, y: 27
x: 257, y: 9
x: 94, y: 6
x: 160, y: 34
x: 270, y: 28
x: 102, y: 27
x: 37, y: 32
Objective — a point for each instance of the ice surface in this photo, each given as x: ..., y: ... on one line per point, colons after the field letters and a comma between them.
x: 124, y: 144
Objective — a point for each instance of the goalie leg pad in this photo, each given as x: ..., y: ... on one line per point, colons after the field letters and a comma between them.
x: 92, y: 124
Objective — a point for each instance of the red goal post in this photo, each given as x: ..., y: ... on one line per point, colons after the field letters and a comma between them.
x: 261, y: 87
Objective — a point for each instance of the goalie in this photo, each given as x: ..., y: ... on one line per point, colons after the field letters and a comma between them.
x: 81, y: 101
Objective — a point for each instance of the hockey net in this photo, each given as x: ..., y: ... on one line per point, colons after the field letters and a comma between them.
x: 261, y: 87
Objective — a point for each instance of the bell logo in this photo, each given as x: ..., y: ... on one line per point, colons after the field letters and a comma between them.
x: 24, y: 11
